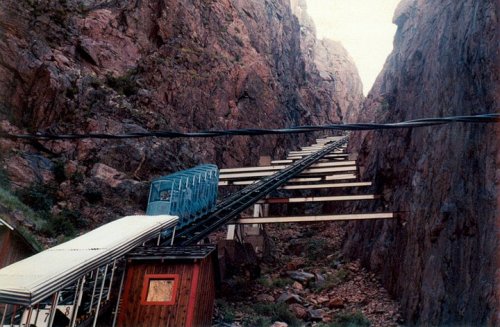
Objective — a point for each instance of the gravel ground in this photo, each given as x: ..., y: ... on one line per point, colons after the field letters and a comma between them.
x: 308, y: 283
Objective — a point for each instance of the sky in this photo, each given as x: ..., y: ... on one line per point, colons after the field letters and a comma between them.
x: 364, y: 27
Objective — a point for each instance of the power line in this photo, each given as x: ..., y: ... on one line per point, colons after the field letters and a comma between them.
x: 424, y: 122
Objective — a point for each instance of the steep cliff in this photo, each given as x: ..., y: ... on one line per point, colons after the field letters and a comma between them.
x: 120, y: 66
x: 440, y: 258
x: 334, y: 85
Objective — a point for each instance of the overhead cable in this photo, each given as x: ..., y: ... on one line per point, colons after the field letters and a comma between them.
x: 423, y: 122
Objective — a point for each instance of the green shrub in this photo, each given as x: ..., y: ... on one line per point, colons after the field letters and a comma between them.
x: 342, y: 275
x: 227, y: 312
x: 93, y: 195
x: 77, y: 177
x: 316, y: 249
x: 38, y: 196
x: 339, y: 277
x: 350, y: 319
x: 30, y: 238
x: 281, y: 282
x: 257, y: 321
x: 124, y: 85
x: 58, y: 226
x: 75, y: 217
x: 13, y: 203
x: 265, y: 281
x: 275, y: 283
x: 4, y: 179
x: 277, y: 312
x: 59, y: 171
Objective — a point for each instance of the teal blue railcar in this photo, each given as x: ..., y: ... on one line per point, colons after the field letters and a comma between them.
x: 188, y: 194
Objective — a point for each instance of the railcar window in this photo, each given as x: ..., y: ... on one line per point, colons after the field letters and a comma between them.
x: 159, y: 289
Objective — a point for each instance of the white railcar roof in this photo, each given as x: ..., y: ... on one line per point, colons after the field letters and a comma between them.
x: 30, y: 280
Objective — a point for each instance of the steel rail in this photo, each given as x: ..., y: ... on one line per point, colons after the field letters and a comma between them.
x: 239, y: 201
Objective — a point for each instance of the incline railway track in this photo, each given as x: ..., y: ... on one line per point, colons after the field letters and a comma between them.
x: 237, y: 202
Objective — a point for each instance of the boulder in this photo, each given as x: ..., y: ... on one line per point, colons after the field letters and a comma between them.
x: 298, y: 310
x: 336, y: 303
x: 297, y: 286
x: 265, y: 298
x: 301, y: 276
x: 322, y: 299
x: 289, y: 298
x: 108, y: 175
x: 315, y: 314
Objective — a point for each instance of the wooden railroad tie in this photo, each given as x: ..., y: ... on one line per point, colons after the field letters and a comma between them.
x: 303, y: 219
x: 293, y: 180
x: 320, y: 199
x: 279, y: 167
x: 309, y: 171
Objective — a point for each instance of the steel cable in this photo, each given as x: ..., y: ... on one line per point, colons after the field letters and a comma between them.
x: 416, y: 123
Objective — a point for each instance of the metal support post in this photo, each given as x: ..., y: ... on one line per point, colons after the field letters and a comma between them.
x: 111, y: 280
x: 230, y: 232
x: 28, y: 319
x: 100, y: 296
x: 173, y: 236
x: 37, y: 313
x: 117, y: 308
x: 5, y: 308
x: 93, y: 290
x: 77, y: 300
x: 53, y: 308
x: 13, y: 316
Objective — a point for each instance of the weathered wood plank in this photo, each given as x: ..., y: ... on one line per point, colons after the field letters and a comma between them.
x: 311, y: 171
x: 293, y: 180
x: 279, y: 167
x: 326, y: 185
x: 304, y: 219
x: 321, y: 199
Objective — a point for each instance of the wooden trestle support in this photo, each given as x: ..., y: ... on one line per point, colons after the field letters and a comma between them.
x: 336, y: 166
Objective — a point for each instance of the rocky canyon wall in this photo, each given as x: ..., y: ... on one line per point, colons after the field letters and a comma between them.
x: 440, y: 257
x: 106, y: 66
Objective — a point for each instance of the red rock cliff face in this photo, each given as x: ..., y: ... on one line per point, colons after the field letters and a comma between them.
x: 440, y: 259
x: 123, y: 66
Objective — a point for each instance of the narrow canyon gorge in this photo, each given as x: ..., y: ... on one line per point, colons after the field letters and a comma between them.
x: 109, y: 66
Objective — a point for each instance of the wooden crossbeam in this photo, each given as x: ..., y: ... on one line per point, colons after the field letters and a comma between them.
x: 322, y: 178
x: 333, y: 155
x: 321, y: 199
x: 334, y: 163
x: 279, y: 167
x: 311, y: 148
x: 311, y: 171
x: 325, y: 185
x: 238, y: 183
x: 294, y: 180
x: 305, y: 179
x: 329, y: 139
x: 279, y: 162
x: 338, y: 177
x: 308, y: 152
x: 306, y: 219
x: 324, y: 170
x: 315, y: 149
x: 252, y: 169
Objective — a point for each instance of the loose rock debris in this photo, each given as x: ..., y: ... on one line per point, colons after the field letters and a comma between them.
x: 307, y: 283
